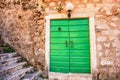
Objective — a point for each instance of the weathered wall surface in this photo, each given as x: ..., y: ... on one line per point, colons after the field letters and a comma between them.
x: 22, y: 25
x: 107, y: 28
x: 107, y: 23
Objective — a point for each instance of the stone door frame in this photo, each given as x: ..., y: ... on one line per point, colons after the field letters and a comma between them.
x: 92, y: 39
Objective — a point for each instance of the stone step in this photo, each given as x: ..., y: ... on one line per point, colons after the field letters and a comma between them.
x: 11, y: 68
x: 7, y: 55
x: 3, y: 56
x: 14, y: 54
x: 17, y: 75
x: 40, y: 79
x: 9, y: 61
x: 32, y: 76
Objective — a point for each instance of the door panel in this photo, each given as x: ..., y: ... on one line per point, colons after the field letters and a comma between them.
x: 79, y: 67
x: 79, y: 28
x: 59, y: 22
x: 60, y: 34
x: 70, y: 46
x: 60, y: 59
x: 59, y: 40
x: 60, y: 69
x: 80, y: 40
x: 83, y: 34
x: 79, y: 70
x: 59, y: 52
x: 78, y: 21
x: 59, y: 28
x: 79, y: 46
x: 60, y: 64
x: 80, y: 53
x: 79, y: 64
x: 79, y: 59
x: 59, y: 46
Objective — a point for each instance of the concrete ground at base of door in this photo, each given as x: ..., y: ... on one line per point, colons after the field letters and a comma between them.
x: 70, y: 76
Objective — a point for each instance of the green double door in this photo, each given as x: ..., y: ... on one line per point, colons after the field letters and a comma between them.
x: 70, y: 46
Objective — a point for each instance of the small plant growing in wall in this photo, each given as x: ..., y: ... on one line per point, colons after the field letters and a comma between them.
x: 60, y: 7
x: 5, y: 47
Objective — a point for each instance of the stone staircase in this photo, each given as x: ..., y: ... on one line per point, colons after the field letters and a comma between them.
x: 13, y: 67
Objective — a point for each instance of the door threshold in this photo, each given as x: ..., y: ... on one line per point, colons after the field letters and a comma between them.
x: 69, y: 76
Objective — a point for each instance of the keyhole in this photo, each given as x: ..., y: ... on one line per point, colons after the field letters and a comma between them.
x: 59, y: 28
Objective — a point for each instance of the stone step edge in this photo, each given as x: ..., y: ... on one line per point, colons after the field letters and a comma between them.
x: 12, y: 66
x: 10, y: 59
x: 32, y: 76
x: 18, y: 73
x: 8, y: 54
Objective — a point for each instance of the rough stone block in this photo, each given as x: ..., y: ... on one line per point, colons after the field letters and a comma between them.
x: 52, y: 4
x: 101, y: 38
x: 100, y: 54
x: 96, y: 0
x: 90, y: 5
x: 101, y: 25
x: 103, y: 76
x: 110, y: 1
x: 107, y: 45
x: 84, y: 1
x: 99, y: 47
x: 108, y: 13
x: 107, y: 61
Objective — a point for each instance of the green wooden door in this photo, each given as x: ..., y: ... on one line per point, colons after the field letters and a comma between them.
x: 69, y: 46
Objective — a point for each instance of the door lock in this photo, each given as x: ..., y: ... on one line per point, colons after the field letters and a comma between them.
x: 71, y: 43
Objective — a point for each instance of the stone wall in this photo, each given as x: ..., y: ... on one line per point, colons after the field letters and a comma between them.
x: 107, y: 28
x: 107, y: 23
x: 22, y: 25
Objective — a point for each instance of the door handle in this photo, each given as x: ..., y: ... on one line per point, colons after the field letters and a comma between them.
x: 66, y: 42
x: 72, y: 43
